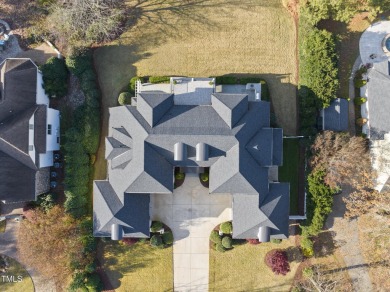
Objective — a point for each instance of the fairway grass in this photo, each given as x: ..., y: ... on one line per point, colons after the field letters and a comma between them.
x: 243, y: 268
x: 205, y: 38
x: 139, y: 267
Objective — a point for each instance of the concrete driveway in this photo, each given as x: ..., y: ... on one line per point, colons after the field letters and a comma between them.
x: 191, y: 212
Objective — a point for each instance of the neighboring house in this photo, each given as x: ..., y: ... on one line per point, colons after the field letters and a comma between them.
x: 377, y: 112
x: 225, y: 133
x: 335, y: 116
x: 29, y: 132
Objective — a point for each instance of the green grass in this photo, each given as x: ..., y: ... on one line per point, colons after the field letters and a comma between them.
x: 289, y: 172
x: 15, y: 270
x: 3, y: 224
x: 243, y: 268
x: 139, y: 267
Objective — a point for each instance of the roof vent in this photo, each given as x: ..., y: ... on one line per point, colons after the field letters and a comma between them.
x: 264, y: 234
x: 180, y: 151
x: 202, y: 152
x: 116, y: 232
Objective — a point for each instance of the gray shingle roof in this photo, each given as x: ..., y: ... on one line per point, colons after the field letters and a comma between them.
x: 20, y: 176
x: 378, y: 92
x: 131, y: 211
x: 229, y: 127
x: 273, y: 212
x: 336, y: 115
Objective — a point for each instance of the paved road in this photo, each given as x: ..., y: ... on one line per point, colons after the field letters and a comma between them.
x: 346, y: 235
x: 191, y: 213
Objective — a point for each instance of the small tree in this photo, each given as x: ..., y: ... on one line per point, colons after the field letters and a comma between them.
x: 156, y: 241
x: 167, y: 238
x: 277, y: 260
x: 124, y: 98
x: 55, y: 77
x: 156, y: 226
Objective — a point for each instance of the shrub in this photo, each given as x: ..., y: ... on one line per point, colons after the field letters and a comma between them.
x: 93, y: 283
x: 156, y: 240
x: 227, y: 242
x: 204, y: 177
x: 214, y: 237
x: 77, y: 64
x: 124, y: 98
x: 132, y: 83
x: 179, y: 175
x: 226, y: 227
x: 360, y: 83
x: 55, y: 77
x: 276, y: 241
x: 361, y: 121
x: 167, y: 238
x: 278, y: 262
x: 253, y: 241
x: 129, y: 241
x: 226, y: 80
x: 159, y: 79
x: 307, y: 246
x: 156, y: 226
x: 219, y: 247
x: 359, y: 100
x: 46, y: 201
x: 246, y: 80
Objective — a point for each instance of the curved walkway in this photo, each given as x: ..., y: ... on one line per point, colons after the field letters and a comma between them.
x: 8, y: 247
x: 191, y: 212
x: 346, y: 235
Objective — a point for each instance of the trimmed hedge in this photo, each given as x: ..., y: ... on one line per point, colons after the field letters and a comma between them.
x: 360, y: 83
x: 227, y: 242
x: 226, y: 227
x: 159, y: 79
x: 359, y: 100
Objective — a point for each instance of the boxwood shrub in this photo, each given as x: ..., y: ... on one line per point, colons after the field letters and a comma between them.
x: 167, y: 238
x: 219, y: 247
x: 227, y: 242
x: 156, y: 226
x: 226, y: 227
x: 214, y: 237
x: 156, y: 240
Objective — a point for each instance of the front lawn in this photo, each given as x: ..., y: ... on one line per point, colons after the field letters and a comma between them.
x: 289, y: 172
x: 16, y: 278
x: 243, y: 268
x: 139, y: 267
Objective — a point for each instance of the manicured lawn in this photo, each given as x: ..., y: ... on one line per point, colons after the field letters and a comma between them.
x: 139, y: 267
x: 243, y: 268
x: 289, y: 172
x: 203, y: 38
x: 15, y: 269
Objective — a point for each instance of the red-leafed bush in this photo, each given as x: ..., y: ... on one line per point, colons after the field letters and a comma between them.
x: 253, y: 241
x: 277, y: 260
x: 129, y: 241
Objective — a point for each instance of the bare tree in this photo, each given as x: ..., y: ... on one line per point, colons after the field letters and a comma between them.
x: 83, y: 22
x: 317, y: 280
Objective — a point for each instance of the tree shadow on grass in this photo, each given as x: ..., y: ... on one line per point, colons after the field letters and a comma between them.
x: 324, y: 244
x: 119, y: 260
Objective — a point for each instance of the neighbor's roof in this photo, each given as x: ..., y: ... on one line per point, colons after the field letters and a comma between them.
x: 20, y: 179
x: 249, y: 213
x: 336, y: 115
x: 378, y: 98
x: 131, y: 211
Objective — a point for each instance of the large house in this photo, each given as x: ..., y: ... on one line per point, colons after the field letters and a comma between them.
x: 29, y: 132
x: 191, y: 127
x: 377, y: 113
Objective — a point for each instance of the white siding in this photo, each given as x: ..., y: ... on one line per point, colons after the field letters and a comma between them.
x: 42, y: 98
x: 46, y: 159
x: 52, y: 140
